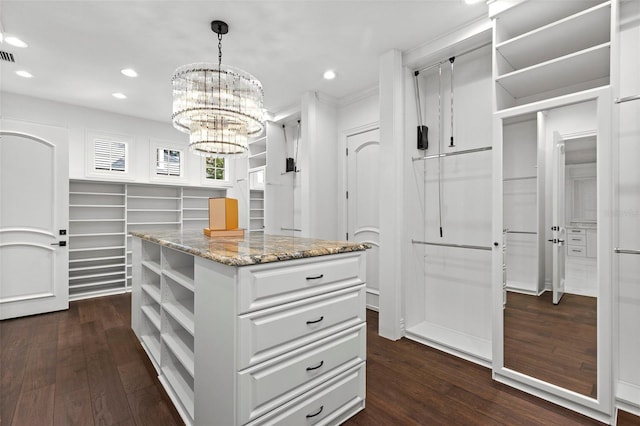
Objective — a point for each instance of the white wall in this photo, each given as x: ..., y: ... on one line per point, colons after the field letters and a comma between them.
x: 81, y: 122
x: 627, y: 267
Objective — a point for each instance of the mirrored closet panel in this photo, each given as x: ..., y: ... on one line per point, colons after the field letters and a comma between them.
x: 554, y: 286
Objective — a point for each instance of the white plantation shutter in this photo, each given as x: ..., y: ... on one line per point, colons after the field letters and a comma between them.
x: 110, y: 155
x: 168, y: 162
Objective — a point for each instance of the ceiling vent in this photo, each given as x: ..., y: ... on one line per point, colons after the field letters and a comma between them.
x: 6, y: 56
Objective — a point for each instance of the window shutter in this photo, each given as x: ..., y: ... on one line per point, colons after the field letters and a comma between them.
x: 110, y: 155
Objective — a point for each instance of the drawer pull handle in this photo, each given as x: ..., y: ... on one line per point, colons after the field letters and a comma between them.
x: 315, y: 278
x: 316, y: 413
x: 316, y: 321
x: 316, y: 367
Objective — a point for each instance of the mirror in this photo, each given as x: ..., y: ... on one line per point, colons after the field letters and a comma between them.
x: 550, y: 226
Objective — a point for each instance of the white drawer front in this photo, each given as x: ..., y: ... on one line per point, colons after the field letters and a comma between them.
x: 574, y: 231
x: 330, y: 403
x: 577, y: 251
x: 274, y: 331
x: 271, y: 284
x: 576, y: 240
x: 271, y: 384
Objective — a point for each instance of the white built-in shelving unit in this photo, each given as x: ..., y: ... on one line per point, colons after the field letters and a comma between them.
x: 257, y: 175
x: 544, y: 52
x: 97, y: 238
x: 101, y: 214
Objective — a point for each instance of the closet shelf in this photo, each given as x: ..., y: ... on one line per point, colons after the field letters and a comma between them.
x: 96, y: 220
x: 90, y: 268
x: 96, y: 249
x: 109, y: 194
x: 153, y: 346
x: 542, y: 43
x: 96, y: 283
x: 579, y: 67
x: 529, y: 16
x: 152, y: 315
x: 181, y: 276
x: 109, y: 206
x: 195, y: 218
x: 181, y: 314
x: 152, y: 291
x: 103, y: 274
x: 152, y: 265
x: 153, y: 210
x: 95, y: 259
x: 152, y: 223
x: 152, y: 197
x: 181, y: 352
x: 180, y: 387
x: 195, y: 208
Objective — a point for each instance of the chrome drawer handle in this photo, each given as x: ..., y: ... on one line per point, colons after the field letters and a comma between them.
x: 316, y: 413
x: 316, y: 367
x: 316, y: 277
x: 316, y: 321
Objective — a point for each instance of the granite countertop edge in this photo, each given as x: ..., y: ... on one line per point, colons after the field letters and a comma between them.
x: 329, y: 248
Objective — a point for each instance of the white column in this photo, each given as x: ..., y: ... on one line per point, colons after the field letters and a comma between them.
x: 391, y: 194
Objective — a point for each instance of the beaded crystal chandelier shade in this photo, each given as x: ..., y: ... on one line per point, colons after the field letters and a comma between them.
x: 218, y: 106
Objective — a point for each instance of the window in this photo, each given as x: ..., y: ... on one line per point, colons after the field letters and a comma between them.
x: 215, y: 168
x: 168, y: 162
x: 110, y: 155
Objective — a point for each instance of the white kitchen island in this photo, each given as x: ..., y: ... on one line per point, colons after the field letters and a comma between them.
x: 258, y: 330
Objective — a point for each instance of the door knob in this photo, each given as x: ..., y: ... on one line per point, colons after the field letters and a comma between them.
x: 59, y: 243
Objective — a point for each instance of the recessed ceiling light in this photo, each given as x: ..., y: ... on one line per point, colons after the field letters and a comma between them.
x: 25, y: 74
x: 329, y: 75
x: 129, y: 72
x: 119, y: 95
x: 15, y: 41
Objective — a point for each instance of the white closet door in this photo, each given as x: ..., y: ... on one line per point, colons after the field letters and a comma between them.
x: 34, y: 207
x: 559, y: 250
x: 362, y: 202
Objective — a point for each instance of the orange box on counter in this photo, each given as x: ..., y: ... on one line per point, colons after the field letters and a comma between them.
x: 239, y: 233
x: 223, y: 214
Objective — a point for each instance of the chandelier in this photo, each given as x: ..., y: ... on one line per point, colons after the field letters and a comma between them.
x: 218, y: 106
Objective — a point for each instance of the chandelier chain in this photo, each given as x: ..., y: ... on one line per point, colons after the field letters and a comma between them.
x: 219, y: 50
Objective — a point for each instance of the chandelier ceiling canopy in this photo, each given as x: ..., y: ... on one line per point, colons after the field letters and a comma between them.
x: 218, y: 106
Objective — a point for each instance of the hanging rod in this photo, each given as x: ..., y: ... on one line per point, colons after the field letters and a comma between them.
x: 520, y: 178
x: 521, y: 232
x: 290, y: 229
x: 444, y: 61
x: 623, y: 251
x: 627, y: 99
x: 448, y: 154
x: 465, y: 246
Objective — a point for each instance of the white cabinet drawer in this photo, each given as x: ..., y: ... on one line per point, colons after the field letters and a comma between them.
x: 271, y: 284
x: 577, y: 251
x: 576, y: 240
x: 275, y: 331
x: 330, y: 403
x: 267, y: 386
x: 575, y: 231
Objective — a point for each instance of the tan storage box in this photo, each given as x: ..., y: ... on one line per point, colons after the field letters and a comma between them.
x: 223, y: 214
x: 238, y: 233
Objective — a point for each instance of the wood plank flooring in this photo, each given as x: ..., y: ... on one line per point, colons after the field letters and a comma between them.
x: 85, y: 367
x: 555, y: 343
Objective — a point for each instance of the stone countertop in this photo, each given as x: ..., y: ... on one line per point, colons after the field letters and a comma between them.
x: 252, y: 249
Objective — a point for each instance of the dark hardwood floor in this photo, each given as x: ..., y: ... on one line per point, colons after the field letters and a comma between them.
x: 555, y: 343
x: 85, y: 367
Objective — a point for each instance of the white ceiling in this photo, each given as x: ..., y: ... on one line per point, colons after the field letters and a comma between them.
x: 77, y: 48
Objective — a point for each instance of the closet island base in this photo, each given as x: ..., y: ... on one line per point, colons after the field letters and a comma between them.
x: 260, y: 330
